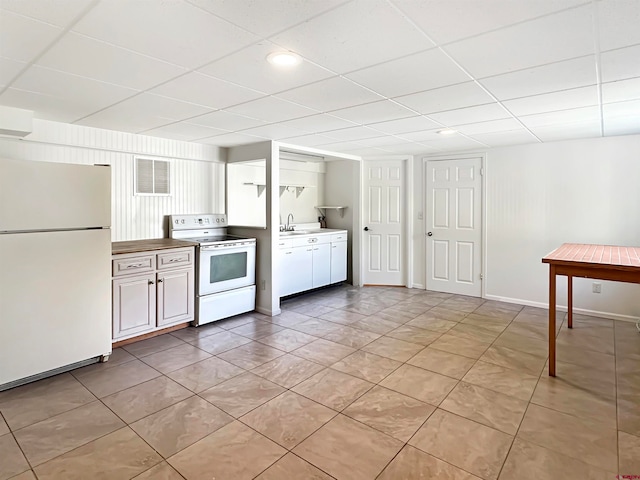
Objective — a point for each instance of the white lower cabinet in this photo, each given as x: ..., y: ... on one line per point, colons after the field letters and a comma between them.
x: 321, y: 270
x: 161, y: 297
x: 338, y: 261
x: 295, y: 270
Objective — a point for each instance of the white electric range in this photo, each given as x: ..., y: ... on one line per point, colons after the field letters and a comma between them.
x: 225, y: 266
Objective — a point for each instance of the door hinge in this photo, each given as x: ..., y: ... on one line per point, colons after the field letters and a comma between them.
x: 481, y: 276
x: 482, y: 172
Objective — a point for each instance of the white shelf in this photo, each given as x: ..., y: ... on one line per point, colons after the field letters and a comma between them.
x: 260, y: 186
x: 298, y: 188
x: 322, y: 209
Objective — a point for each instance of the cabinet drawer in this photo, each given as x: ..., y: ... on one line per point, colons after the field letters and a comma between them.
x: 285, y: 243
x: 183, y: 258
x: 311, y: 240
x: 130, y: 265
x: 339, y: 237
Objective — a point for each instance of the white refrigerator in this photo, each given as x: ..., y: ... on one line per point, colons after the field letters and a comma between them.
x: 55, y: 268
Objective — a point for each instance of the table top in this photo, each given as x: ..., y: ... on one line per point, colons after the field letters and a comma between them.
x: 585, y: 254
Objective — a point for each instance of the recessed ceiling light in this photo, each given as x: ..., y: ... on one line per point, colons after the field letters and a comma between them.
x: 284, y: 59
x: 447, y: 131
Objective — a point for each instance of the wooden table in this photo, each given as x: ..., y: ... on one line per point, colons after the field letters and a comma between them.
x: 602, y: 262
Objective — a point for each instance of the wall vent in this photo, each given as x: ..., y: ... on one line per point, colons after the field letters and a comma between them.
x: 152, y: 177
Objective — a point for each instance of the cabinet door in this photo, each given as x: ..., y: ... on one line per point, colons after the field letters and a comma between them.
x: 338, y: 262
x: 134, y: 305
x: 295, y: 270
x: 175, y: 297
x: 321, y: 265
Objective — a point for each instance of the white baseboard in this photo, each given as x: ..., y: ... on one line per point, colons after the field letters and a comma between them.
x: 563, y: 308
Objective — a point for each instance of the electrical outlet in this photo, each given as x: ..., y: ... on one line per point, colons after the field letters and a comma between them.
x: 263, y: 284
x: 596, y: 287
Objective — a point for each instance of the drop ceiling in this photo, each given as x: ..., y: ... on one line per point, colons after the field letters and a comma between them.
x: 378, y: 77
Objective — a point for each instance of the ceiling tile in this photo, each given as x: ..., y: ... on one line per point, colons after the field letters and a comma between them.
x: 23, y: 38
x: 463, y: 18
x: 94, y: 59
x: 272, y: 109
x: 275, y: 131
x: 353, y: 36
x: 312, y: 140
x: 461, y: 116
x: 368, y: 152
x: 621, y: 109
x: 231, y: 140
x: 562, y: 117
x: 489, y: 127
x: 411, y: 149
x: 621, y: 118
x: 184, y: 131
x: 429, y: 136
x: 373, y: 112
x: 618, y: 22
x: 173, y: 31
x: 45, y: 107
x: 549, y: 39
x: 331, y: 94
x: 578, y: 72
x: 353, y: 133
x: 9, y: 69
x: 620, y: 64
x: 412, y: 124
x: 319, y: 123
x: 621, y: 91
x: 447, y: 98
x: 568, y: 131
x: 48, y: 11
x: 225, y: 121
x: 204, y: 90
x: 82, y: 95
x: 383, y: 142
x: 249, y: 67
x: 455, y: 142
x: 548, y: 102
x: 141, y: 113
x: 341, y: 146
x: 415, y: 73
x: 511, y: 137
x: 266, y: 18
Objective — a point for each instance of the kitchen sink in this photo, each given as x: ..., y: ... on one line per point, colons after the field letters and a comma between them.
x: 295, y: 232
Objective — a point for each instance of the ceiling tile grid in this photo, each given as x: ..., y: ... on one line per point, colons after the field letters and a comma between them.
x: 377, y: 76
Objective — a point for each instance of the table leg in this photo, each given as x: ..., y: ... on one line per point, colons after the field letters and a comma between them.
x: 570, y: 301
x: 552, y: 320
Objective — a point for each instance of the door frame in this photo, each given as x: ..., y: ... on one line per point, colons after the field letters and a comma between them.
x: 407, y: 230
x: 483, y: 209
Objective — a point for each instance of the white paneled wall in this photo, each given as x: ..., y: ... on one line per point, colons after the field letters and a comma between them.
x: 197, y: 184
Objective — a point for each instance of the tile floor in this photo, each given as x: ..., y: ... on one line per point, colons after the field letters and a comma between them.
x: 346, y: 383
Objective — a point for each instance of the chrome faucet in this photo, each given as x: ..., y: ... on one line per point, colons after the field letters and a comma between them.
x: 289, y: 227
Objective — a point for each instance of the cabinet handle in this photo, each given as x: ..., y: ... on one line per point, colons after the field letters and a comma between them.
x: 175, y: 260
x: 309, y: 249
x: 316, y: 249
x: 134, y: 265
x: 160, y: 280
x: 334, y: 246
x: 288, y: 253
x: 151, y: 282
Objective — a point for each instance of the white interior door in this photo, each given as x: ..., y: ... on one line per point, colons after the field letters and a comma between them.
x: 383, y: 218
x: 454, y: 226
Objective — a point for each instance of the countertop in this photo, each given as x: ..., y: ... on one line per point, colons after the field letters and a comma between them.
x: 135, y: 246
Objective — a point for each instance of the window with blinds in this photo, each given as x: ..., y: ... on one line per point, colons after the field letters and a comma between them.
x: 152, y: 177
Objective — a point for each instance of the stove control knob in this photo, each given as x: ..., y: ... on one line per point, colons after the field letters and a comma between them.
x: 176, y: 221
x: 182, y: 221
x: 222, y: 220
x: 217, y: 220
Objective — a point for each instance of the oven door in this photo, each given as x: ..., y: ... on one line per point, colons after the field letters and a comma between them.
x: 225, y: 267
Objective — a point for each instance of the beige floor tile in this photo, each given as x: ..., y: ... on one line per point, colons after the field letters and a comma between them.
x: 559, y: 394
x: 585, y: 358
x: 12, y: 461
x: 503, y: 380
x: 4, y: 428
x: 162, y: 471
x: 105, y: 382
x: 288, y: 419
x: 205, y: 374
x: 50, y: 438
x: 523, y: 343
x: 323, y: 352
x: 137, y: 402
x: 191, y: 334
x: 178, y: 426
x: 238, y: 320
x: 251, y: 355
x: 31, y: 403
x: 466, y: 444
x: 473, y: 332
x: 509, y: 358
x: 175, y: 358
x: 96, y: 459
x: 241, y: 394
x: 257, y: 329
x: 368, y: 366
x: 412, y: 463
x: 292, y: 467
x: 601, y: 382
x: 628, y: 413
x: 375, y: 324
x: 316, y: 327
x: 428, y: 322
x: 333, y: 389
x: 402, y: 314
x: 629, y: 451
x: 288, y: 318
x: 28, y: 475
x: 348, y: 450
x: 536, y: 330
x: 462, y: 303
x: 118, y: 357
x: 352, y: 337
x: 421, y: 384
x: 288, y: 340
x: 527, y: 461
x: 441, y: 312
x: 312, y: 309
x: 416, y: 335
x: 501, y: 311
x: 342, y: 317
x: 461, y: 346
x: 393, y: 348
x: 220, y: 342
x: 494, y: 324
x: 445, y: 363
x: 485, y: 406
x: 365, y: 308
x: 224, y: 453
x: 390, y: 412
x: 288, y: 370
x: 576, y: 338
x: 152, y: 345
x: 586, y: 440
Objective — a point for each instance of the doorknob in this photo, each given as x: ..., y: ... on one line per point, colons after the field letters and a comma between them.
x: 366, y: 229
x: 430, y: 234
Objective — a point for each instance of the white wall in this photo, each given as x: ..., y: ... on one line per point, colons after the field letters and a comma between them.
x: 540, y: 196
x: 246, y: 198
x: 301, y: 202
x: 197, y: 172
